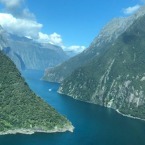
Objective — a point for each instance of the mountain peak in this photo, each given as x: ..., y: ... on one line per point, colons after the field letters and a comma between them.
x: 107, y: 36
x: 140, y: 12
x: 115, y: 28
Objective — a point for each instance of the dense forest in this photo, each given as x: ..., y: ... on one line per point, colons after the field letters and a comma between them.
x: 20, y: 108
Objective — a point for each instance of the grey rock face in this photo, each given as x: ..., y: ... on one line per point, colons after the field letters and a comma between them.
x: 3, y: 42
x: 28, y: 54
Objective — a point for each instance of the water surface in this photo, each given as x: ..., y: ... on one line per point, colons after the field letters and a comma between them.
x: 94, y: 125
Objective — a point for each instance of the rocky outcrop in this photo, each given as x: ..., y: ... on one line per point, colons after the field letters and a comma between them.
x: 3, y: 42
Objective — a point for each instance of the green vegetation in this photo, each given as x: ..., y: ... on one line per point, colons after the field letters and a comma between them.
x: 116, y: 78
x: 20, y: 108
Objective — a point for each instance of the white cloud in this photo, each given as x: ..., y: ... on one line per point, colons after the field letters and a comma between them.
x: 32, y: 29
x: 20, y: 27
x: 17, y: 8
x: 131, y: 10
x: 17, y: 19
x: 52, y: 38
x: 75, y: 48
x: 27, y: 14
x: 56, y: 39
x: 44, y: 38
x: 11, y: 3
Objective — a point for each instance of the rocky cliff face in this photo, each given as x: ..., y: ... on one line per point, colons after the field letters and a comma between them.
x: 3, y: 42
x: 116, y: 78
x: 28, y: 54
x: 106, y: 37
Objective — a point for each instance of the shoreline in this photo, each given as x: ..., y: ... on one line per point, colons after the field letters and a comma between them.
x: 129, y: 116
x: 69, y: 128
x: 125, y: 115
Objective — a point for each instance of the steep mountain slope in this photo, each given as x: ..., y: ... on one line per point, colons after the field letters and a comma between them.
x: 116, y: 78
x: 2, y: 39
x: 28, y: 54
x: 20, y: 109
x: 106, y: 37
x: 71, y: 53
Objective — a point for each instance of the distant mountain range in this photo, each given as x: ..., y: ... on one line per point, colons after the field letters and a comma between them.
x: 27, y: 54
x: 111, y: 72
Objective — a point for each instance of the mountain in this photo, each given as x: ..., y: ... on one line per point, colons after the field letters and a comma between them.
x: 27, y: 54
x: 71, y: 53
x: 2, y: 39
x: 116, y: 77
x: 106, y: 37
x: 21, y: 111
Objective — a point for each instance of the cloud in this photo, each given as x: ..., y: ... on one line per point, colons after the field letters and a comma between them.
x: 32, y: 29
x: 131, y: 10
x: 27, y: 14
x: 28, y: 28
x: 20, y: 27
x: 54, y: 38
x: 17, y: 19
x: 12, y: 3
x: 44, y: 38
x: 17, y: 8
x: 75, y: 48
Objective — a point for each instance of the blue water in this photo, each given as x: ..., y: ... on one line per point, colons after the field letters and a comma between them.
x: 94, y: 125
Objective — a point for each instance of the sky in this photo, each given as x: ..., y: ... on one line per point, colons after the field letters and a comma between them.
x: 71, y: 24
